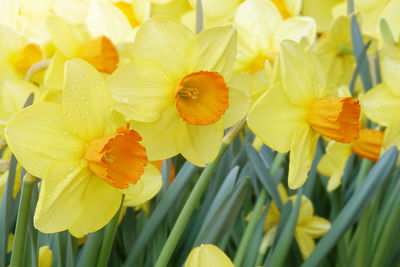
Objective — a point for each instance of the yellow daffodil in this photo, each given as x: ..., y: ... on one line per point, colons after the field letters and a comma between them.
x: 45, y: 257
x: 291, y: 115
x: 83, y: 151
x: 383, y: 101
x: 177, y: 90
x: 308, y: 226
x: 370, y: 145
x: 261, y: 28
x: 207, y: 255
x: 335, y: 52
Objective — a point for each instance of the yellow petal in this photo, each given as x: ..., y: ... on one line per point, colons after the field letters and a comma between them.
x: 54, y: 77
x: 276, y: 129
x: 272, y: 218
x: 61, y: 193
x: 38, y: 137
x: 268, y: 239
x: 392, y: 133
x: 306, y: 210
x: 45, y: 257
x: 239, y: 101
x: 200, y: 144
x: 293, y: 6
x: 390, y: 66
x: 63, y: 36
x: 207, y: 255
x: 99, y: 204
x: 282, y: 193
x: 391, y: 16
x: 320, y: 11
x: 152, y: 183
x: 161, y: 34
x: 214, y: 49
x: 302, y: 153
x: 87, y: 101
x: 333, y: 162
x: 10, y: 40
x: 302, y: 76
x: 260, y: 18
x: 159, y: 136
x: 315, y: 227
x: 305, y: 242
x: 104, y: 18
x: 295, y: 28
x: 380, y: 104
x: 74, y: 11
x: 141, y: 90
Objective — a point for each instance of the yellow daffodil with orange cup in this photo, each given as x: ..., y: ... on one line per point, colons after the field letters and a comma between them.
x: 307, y: 110
x: 177, y: 92
x: 85, y: 154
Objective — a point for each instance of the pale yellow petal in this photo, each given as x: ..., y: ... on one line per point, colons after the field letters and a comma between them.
x: 293, y: 6
x: 333, y: 162
x: 268, y: 239
x: 74, y: 11
x: 152, y: 182
x: 141, y: 90
x: 45, y: 257
x: 87, y: 101
x: 315, y: 227
x: 54, y: 77
x: 302, y: 153
x: 392, y: 133
x: 208, y: 255
x: 295, y: 28
x: 390, y: 68
x: 214, y: 49
x: 99, y: 204
x: 165, y: 41
x: 38, y: 137
x: 390, y: 13
x: 306, y: 210
x: 104, y: 18
x: 260, y: 18
x: 159, y: 136
x: 63, y: 36
x: 239, y: 101
x: 276, y: 129
x: 380, y: 104
x: 61, y: 193
x: 305, y: 242
x: 302, y: 76
x: 200, y: 144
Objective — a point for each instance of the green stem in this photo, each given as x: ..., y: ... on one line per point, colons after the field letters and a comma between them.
x: 22, y: 220
x: 250, y: 229
x: 194, y: 197
x: 365, y: 166
x: 256, y: 214
x: 108, y: 238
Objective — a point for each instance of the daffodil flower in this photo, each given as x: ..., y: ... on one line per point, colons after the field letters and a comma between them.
x: 261, y: 28
x: 382, y: 102
x: 291, y: 115
x: 177, y: 90
x: 321, y: 11
x: 308, y: 226
x: 83, y: 151
x: 370, y: 145
x: 207, y: 255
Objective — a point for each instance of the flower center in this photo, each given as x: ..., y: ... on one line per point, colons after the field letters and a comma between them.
x: 119, y: 159
x: 258, y: 63
x: 202, y: 97
x: 369, y: 144
x: 101, y: 53
x: 281, y: 6
x: 336, y: 118
x: 28, y: 56
x: 127, y: 9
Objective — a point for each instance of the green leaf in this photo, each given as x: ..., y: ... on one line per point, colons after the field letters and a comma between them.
x: 354, y: 207
x: 360, y: 54
x: 199, y: 17
x: 182, y: 179
x: 386, y: 31
x: 284, y: 238
x: 88, y: 254
x: 225, y: 216
x: 263, y: 174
